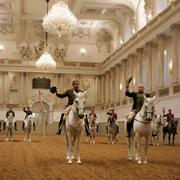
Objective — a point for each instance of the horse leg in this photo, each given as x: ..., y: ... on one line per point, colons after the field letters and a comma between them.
x: 67, y: 145
x: 164, y: 136
x: 30, y: 131
x: 173, y: 138
x: 11, y: 134
x: 25, y: 134
x: 94, y: 137
x: 146, y: 149
x: 78, y: 149
x: 70, y: 148
x: 157, y: 141
x: 7, y: 134
x: 169, y: 138
x: 138, y: 149
x: 130, y: 148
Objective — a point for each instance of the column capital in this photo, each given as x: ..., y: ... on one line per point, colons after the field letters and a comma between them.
x: 161, y: 36
x: 133, y: 55
x: 175, y: 27
x: 118, y: 65
x: 123, y: 61
x: 140, y: 50
x: 149, y: 44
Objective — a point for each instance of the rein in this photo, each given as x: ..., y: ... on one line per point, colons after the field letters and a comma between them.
x: 145, y: 122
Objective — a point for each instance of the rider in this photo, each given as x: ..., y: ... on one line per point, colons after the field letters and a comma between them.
x: 70, y: 94
x: 169, y: 116
x: 112, y: 115
x: 138, y: 100
x: 28, y: 112
x: 10, y: 111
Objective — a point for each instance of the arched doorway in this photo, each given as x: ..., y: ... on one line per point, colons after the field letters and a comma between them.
x: 41, y: 117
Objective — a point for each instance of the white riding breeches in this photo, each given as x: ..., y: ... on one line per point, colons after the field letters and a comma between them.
x: 130, y: 116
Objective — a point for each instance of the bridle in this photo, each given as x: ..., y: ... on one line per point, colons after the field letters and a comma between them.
x: 147, y: 121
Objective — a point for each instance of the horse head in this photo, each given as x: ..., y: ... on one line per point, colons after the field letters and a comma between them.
x: 79, y: 103
x: 149, y: 107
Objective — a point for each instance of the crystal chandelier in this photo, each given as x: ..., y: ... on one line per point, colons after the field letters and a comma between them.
x: 59, y: 19
x: 46, y: 61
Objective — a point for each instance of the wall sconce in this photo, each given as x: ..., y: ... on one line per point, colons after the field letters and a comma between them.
x: 120, y: 86
x: 165, y: 52
x: 82, y: 51
x: 149, y: 16
x: 1, y: 47
x: 134, y: 81
x: 171, y: 66
x: 103, y: 11
x: 121, y: 42
x: 133, y: 30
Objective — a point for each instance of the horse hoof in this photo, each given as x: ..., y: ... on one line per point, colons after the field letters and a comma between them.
x: 130, y: 158
x: 69, y: 162
x: 79, y: 162
x: 72, y: 157
x: 67, y: 157
x: 145, y: 162
x: 139, y: 162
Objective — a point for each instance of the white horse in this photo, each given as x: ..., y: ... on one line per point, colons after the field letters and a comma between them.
x: 112, y: 130
x: 29, y: 124
x: 74, y: 126
x: 143, y: 126
x: 92, y: 128
x: 156, y: 130
x: 9, y: 125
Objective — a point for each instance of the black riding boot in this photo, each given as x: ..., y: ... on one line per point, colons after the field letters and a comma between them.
x: 23, y: 126
x: 4, y: 126
x: 97, y: 129
x: 15, y: 126
x: 61, y: 123
x: 129, y: 126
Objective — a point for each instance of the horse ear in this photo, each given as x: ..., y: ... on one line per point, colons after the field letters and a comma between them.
x: 76, y: 94
x: 145, y: 97
x: 154, y: 98
x: 85, y: 92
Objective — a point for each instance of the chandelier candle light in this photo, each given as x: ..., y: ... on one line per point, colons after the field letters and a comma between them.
x: 46, y: 61
x: 59, y: 19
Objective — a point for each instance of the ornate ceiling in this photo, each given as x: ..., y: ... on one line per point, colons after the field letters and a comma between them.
x: 101, y: 23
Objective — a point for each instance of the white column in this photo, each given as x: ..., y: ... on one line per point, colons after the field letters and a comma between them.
x: 139, y: 62
x: 117, y: 82
x: 21, y: 90
x: 103, y: 90
x: 124, y: 79
x: 161, y: 41
x: 112, y: 86
x: 149, y: 47
x: 27, y: 83
x: 175, y: 49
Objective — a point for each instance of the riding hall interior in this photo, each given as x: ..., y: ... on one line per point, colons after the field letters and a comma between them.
x: 109, y: 47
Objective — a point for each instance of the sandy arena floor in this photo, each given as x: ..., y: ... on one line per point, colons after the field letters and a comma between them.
x: 44, y: 159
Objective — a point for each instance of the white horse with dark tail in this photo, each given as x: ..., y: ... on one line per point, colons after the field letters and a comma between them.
x: 9, y: 125
x: 142, y: 127
x: 74, y: 126
x: 92, y: 129
x: 156, y: 130
x: 29, y: 125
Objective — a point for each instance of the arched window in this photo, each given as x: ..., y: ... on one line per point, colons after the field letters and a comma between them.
x: 159, y: 6
x: 141, y: 15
